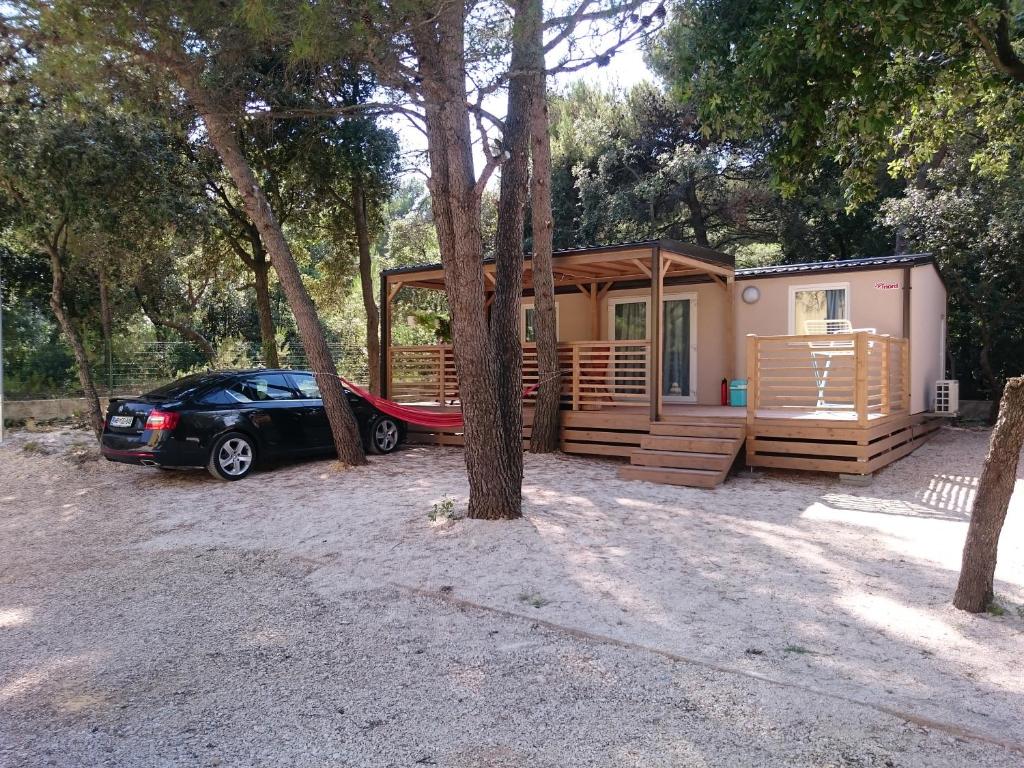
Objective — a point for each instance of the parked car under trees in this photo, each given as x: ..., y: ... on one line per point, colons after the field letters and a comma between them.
x: 228, y: 421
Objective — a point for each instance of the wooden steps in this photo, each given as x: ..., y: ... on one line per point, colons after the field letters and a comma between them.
x: 697, y: 453
x: 676, y: 459
x: 692, y: 478
x: 730, y: 430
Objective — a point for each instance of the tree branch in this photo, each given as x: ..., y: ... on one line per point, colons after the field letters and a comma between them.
x: 999, y: 51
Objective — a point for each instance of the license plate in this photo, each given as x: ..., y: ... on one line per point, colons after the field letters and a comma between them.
x: 122, y: 421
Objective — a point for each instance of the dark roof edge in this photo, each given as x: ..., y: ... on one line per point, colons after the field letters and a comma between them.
x: 688, y: 249
x: 844, y: 265
x: 747, y: 273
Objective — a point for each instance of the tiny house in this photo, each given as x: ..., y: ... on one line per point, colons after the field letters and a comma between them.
x: 677, y: 361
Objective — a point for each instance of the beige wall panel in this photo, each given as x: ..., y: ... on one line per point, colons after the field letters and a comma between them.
x: 927, y: 337
x: 870, y: 306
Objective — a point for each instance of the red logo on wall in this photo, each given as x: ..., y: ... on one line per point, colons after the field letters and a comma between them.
x: 881, y: 285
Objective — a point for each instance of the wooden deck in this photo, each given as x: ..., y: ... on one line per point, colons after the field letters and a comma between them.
x: 825, y: 403
x: 698, y: 444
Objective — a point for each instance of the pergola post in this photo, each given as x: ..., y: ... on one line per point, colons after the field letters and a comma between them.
x: 387, y: 294
x: 595, y: 318
x: 657, y: 277
x: 730, y: 328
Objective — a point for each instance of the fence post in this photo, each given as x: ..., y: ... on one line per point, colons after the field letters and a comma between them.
x: 860, y: 391
x: 441, y: 373
x: 575, y: 377
x: 886, y: 351
x: 905, y: 366
x: 752, y: 381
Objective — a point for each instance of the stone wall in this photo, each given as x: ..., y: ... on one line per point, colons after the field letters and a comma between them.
x: 46, y: 410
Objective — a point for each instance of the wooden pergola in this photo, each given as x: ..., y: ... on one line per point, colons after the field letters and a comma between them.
x: 593, y: 272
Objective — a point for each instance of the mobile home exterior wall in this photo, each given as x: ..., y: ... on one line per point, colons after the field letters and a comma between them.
x: 877, y: 298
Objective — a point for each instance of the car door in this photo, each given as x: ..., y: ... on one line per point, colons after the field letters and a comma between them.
x: 275, y: 412
x: 315, y: 426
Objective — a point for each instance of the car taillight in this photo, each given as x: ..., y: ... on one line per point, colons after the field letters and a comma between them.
x: 162, y: 420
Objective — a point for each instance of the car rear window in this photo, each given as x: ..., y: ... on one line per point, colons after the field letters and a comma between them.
x: 180, y: 388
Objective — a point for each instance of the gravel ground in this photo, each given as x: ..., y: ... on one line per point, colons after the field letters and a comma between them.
x: 166, y: 619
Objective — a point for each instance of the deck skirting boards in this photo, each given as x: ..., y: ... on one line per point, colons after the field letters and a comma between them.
x: 814, y: 446
x: 857, y: 451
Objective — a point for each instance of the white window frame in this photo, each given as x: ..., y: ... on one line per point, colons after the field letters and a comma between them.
x: 669, y: 295
x: 614, y: 301
x: 794, y: 289
x: 693, y: 298
x: 522, y: 321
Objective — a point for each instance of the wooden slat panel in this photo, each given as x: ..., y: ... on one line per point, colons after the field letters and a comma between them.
x: 809, y: 464
x: 598, y: 449
x: 855, y: 372
x: 825, y: 448
x: 598, y: 435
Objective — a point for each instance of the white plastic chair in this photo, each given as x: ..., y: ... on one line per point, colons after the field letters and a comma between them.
x: 823, y: 351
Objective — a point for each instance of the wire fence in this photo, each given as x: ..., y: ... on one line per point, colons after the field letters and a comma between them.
x: 151, y: 364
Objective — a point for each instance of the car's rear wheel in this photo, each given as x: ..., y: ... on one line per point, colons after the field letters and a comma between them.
x: 385, y: 435
x: 233, y: 457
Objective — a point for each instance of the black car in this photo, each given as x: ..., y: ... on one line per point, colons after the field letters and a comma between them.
x: 226, y: 421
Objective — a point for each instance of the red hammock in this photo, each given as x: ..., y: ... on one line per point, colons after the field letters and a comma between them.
x: 422, y: 417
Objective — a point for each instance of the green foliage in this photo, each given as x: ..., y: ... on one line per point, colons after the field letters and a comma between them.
x: 637, y: 166
x: 419, y: 317
x: 157, y: 213
x: 974, y: 224
x: 815, y: 223
x: 869, y: 83
x: 443, y: 511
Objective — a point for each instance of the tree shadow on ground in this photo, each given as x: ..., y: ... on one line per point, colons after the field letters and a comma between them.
x: 785, y: 575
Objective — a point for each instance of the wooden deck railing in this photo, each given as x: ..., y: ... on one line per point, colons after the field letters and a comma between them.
x: 594, y: 373
x: 422, y: 374
x: 860, y: 373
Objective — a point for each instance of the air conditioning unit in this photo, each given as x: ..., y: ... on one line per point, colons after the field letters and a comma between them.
x: 947, y: 397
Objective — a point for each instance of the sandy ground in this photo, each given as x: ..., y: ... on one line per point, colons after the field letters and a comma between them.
x: 151, y: 618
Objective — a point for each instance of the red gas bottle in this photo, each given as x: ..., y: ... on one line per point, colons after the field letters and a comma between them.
x: 725, y: 391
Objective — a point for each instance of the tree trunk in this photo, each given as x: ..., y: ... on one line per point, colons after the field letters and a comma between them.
x: 107, y: 325
x: 547, y: 408
x: 974, y: 591
x: 988, y: 373
x: 344, y: 428
x: 366, y: 284
x: 506, y: 345
x: 92, y: 401
x: 261, y: 282
x: 697, y: 221
x: 495, y: 478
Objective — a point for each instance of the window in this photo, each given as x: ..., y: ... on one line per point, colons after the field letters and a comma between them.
x: 627, y: 319
x: 260, y: 388
x: 222, y: 397
x: 528, y: 334
x: 813, y: 307
x: 306, y: 385
x: 181, y: 388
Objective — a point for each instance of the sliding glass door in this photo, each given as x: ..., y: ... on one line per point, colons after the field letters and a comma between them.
x: 677, y: 374
x: 629, y: 319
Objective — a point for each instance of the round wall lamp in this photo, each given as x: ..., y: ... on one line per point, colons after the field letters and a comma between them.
x: 751, y: 294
